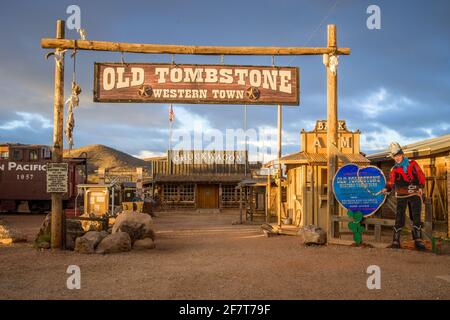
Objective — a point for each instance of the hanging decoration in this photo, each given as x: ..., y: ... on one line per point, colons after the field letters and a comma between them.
x: 72, y: 102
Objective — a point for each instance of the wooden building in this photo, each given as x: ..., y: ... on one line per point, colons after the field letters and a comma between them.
x: 433, y: 156
x: 304, y: 191
x: 197, y: 179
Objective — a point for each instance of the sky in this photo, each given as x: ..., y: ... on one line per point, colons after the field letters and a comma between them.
x: 394, y: 86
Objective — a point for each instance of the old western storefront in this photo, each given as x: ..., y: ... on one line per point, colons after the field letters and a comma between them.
x: 306, y: 174
x: 200, y: 179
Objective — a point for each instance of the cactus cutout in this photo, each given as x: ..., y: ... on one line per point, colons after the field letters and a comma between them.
x: 355, y: 226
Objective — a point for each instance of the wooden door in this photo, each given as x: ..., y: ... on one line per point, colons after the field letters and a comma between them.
x: 208, y: 196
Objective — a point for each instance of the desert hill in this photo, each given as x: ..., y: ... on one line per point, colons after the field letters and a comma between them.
x: 102, y: 156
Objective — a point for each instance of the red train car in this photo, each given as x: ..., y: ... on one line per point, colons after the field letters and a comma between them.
x: 23, y: 177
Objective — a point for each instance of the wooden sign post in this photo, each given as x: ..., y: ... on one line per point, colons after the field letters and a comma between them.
x: 332, y: 131
x: 57, y: 154
x: 331, y: 51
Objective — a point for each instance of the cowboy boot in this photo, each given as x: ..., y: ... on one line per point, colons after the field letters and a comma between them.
x: 417, y: 236
x: 396, y: 239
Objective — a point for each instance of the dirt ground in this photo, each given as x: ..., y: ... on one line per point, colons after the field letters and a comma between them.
x: 204, y: 256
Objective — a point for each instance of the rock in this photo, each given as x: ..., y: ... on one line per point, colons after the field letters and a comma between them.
x: 74, y: 230
x: 312, y: 234
x: 45, y: 228
x: 91, y: 225
x: 44, y: 245
x: 144, y: 244
x: 88, y: 242
x: 116, y: 242
x: 137, y: 225
x: 8, y: 235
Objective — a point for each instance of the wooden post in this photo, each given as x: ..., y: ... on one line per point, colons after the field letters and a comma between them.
x: 268, y: 191
x: 140, y: 182
x: 240, y: 204
x: 332, y: 134
x: 279, y: 204
x: 101, y: 175
x: 447, y: 164
x: 57, y: 154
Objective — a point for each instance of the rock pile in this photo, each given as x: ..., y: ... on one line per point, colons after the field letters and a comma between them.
x: 312, y: 234
x: 131, y: 230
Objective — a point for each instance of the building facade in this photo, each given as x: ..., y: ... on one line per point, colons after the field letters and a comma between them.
x: 304, y: 192
x: 198, y: 179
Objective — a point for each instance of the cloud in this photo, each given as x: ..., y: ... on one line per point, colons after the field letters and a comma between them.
x: 143, y: 154
x: 380, y: 139
x: 33, y: 121
x: 381, y: 101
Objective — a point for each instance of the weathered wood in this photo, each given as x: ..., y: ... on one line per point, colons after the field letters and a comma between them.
x: 57, y: 154
x: 48, y: 43
x: 378, y: 233
x: 447, y: 162
x: 279, y: 203
x: 332, y: 133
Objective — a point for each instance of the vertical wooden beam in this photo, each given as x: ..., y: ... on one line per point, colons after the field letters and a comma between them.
x: 57, y: 154
x: 240, y: 204
x: 140, y: 182
x: 268, y: 193
x: 332, y: 134
x: 280, y: 121
x: 447, y: 164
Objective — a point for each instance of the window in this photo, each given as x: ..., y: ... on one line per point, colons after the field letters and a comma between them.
x: 33, y: 155
x: 187, y: 192
x: 46, y: 153
x: 4, y: 155
x: 229, y: 193
x: 170, y: 192
x: 17, y: 155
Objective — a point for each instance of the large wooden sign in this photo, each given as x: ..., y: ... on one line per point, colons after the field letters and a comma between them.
x: 192, y: 83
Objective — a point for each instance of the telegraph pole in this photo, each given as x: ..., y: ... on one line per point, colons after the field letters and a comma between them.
x: 332, y: 134
x: 57, y: 154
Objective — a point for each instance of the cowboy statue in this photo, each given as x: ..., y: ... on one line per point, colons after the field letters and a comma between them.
x: 407, y: 179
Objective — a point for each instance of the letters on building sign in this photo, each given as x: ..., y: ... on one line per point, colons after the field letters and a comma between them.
x: 226, y: 84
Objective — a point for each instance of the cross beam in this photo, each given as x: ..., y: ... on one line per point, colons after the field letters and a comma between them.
x: 181, y: 49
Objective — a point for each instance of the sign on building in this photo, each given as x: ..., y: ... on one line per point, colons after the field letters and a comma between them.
x: 193, y: 83
x: 57, y: 177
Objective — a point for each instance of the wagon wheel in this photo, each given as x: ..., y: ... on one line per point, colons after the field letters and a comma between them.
x: 253, y: 93
x: 145, y: 91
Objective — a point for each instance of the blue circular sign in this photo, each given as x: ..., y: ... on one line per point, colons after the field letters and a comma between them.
x: 359, y: 189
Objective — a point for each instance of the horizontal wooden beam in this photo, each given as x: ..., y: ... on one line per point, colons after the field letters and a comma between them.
x: 180, y: 49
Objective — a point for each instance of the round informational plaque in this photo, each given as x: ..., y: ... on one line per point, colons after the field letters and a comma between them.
x: 359, y: 188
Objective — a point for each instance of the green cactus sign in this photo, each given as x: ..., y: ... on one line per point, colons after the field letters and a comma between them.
x: 355, y: 225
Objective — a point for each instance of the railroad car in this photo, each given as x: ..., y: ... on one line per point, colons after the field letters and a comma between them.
x: 23, y: 178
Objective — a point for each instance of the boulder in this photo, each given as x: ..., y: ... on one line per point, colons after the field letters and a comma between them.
x: 312, y: 234
x: 44, y: 245
x: 144, y: 244
x: 137, y: 225
x: 8, y: 235
x: 74, y: 230
x: 45, y: 228
x: 88, y: 242
x: 113, y: 243
x: 91, y: 225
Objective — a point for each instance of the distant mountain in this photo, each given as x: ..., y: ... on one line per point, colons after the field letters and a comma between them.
x: 100, y: 156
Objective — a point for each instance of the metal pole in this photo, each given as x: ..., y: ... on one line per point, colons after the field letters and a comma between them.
x: 57, y: 154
